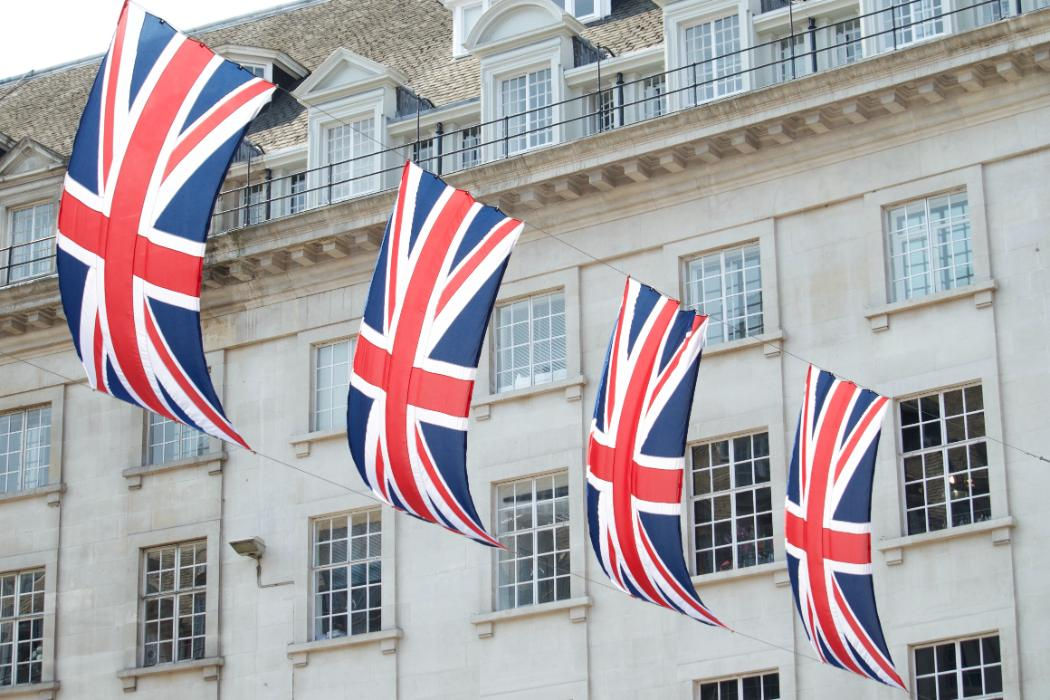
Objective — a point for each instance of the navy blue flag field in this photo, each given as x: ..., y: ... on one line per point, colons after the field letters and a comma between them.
x: 428, y: 307
x: 160, y: 127
x: 636, y: 450
x: 828, y: 525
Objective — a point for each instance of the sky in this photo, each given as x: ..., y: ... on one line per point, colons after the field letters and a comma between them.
x: 37, y: 34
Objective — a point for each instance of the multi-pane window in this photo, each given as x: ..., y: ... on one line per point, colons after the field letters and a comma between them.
x: 348, y: 148
x: 908, y: 21
x: 727, y: 287
x: 21, y: 627
x: 525, y: 111
x: 713, y: 59
x: 965, y: 668
x: 31, y: 241
x: 174, y: 602
x: 168, y: 440
x: 601, y: 110
x: 255, y: 69
x: 793, y: 57
x: 297, y: 193
x: 653, y: 90
x: 761, y: 686
x: 848, y: 47
x: 347, y: 574
x: 469, y: 154
x: 331, y: 384
x: 533, y: 523
x: 530, y: 341
x: 25, y: 449
x: 732, y: 503
x: 930, y: 246
x: 945, y: 460
x: 993, y: 12
x: 253, y: 204
x: 577, y: 8
x: 424, y: 151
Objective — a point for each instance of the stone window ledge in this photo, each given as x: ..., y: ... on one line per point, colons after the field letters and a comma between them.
x: 776, y: 569
x: 982, y: 293
x: 387, y: 639
x: 303, y: 443
x: 40, y: 691
x: 209, y: 670
x: 212, y: 461
x: 485, y: 623
x: 481, y: 409
x: 771, y: 343
x: 1000, y: 529
x: 52, y: 492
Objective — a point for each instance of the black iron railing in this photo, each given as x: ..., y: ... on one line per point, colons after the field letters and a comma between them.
x: 24, y: 261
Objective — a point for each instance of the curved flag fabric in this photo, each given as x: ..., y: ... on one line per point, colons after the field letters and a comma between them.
x: 828, y: 525
x: 636, y: 451
x: 435, y: 282
x: 160, y: 127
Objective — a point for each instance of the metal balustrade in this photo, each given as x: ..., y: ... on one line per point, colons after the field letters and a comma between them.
x: 26, y: 261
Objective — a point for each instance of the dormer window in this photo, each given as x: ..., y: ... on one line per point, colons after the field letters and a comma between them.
x: 465, y: 14
x: 585, y: 10
x: 259, y: 71
x: 275, y: 66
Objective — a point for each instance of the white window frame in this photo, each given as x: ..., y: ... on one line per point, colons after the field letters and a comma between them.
x: 690, y: 301
x: 339, y: 113
x: 7, y: 242
x: 653, y: 93
x: 177, y: 594
x: 40, y: 469
x: 679, y: 17
x: 190, y: 443
x: 11, y: 601
x: 533, y: 126
x: 459, y: 28
x: 803, y: 65
x: 958, y: 670
x: 599, y: 9
x: 698, y: 495
x: 323, y: 561
x: 554, y: 374
x: 518, y: 527
x: 315, y: 388
x: 840, y: 34
x: 738, y: 687
x: 932, y: 275
x: 888, y: 19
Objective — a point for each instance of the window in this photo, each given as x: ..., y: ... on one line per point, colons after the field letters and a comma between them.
x: 583, y: 9
x: 168, y: 440
x: 848, y: 47
x: 253, y: 204
x: 793, y: 57
x: 174, y: 603
x: 464, y: 18
x: 930, y: 246
x: 347, y: 574
x: 732, y: 504
x: 530, y: 342
x: 714, y: 64
x: 601, y: 111
x: 533, y: 522
x: 21, y: 627
x: 907, y: 21
x: 763, y: 686
x: 993, y: 12
x: 969, y: 668
x: 348, y: 151
x: 525, y: 111
x: 727, y: 287
x: 945, y: 460
x: 32, y: 243
x: 297, y: 190
x: 255, y: 69
x: 469, y: 154
x: 25, y: 449
x: 653, y: 90
x: 424, y: 153
x: 331, y: 384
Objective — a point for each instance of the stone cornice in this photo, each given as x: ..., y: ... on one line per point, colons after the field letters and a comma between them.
x: 715, y: 140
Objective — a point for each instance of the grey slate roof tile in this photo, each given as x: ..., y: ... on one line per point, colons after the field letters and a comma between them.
x: 412, y: 36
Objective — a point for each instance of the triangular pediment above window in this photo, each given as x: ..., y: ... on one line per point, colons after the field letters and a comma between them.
x: 29, y: 156
x: 345, y: 73
x: 513, y: 22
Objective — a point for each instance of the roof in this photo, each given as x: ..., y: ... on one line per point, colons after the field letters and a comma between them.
x: 411, y: 36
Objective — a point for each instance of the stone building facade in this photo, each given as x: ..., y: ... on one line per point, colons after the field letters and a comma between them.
x: 851, y: 193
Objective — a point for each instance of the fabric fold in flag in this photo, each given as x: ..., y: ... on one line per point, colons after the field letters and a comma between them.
x: 636, y: 450
x: 439, y: 267
x: 828, y: 525
x: 161, y: 124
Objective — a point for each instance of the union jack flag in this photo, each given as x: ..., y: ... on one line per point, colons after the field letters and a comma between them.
x: 435, y: 282
x: 636, y: 451
x: 828, y: 526
x: 161, y: 124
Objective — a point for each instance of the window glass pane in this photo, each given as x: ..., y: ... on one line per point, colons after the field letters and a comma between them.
x: 347, y: 574
x: 174, y: 608
x: 727, y: 287
x: 169, y: 440
x: 530, y: 342
x: 930, y: 246
x: 331, y: 383
x: 25, y: 449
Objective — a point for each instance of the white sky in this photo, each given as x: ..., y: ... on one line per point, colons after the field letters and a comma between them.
x: 41, y: 33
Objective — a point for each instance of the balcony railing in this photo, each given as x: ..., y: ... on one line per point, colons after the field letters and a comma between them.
x: 24, y: 261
